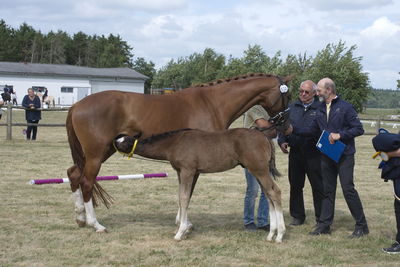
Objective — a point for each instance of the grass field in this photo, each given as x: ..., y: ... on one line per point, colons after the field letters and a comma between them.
x: 37, y: 223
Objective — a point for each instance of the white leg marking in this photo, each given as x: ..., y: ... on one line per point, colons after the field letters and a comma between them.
x: 183, y: 226
x: 91, y: 217
x: 79, y: 208
x: 281, y: 225
x: 272, y: 221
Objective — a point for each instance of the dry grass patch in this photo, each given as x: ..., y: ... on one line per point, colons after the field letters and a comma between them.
x: 38, y: 228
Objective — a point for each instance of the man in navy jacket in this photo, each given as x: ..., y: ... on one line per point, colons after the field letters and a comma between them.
x: 340, y: 119
x: 304, y: 158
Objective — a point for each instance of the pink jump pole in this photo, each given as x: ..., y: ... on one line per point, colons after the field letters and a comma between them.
x: 103, y: 178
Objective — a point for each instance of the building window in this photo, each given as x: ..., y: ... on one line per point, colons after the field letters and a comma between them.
x: 67, y: 89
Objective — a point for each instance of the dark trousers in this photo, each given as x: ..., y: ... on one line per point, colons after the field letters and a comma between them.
x: 31, y: 129
x: 396, y: 185
x: 330, y: 171
x: 300, y: 165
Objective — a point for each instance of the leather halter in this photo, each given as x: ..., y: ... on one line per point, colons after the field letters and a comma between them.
x: 283, y: 92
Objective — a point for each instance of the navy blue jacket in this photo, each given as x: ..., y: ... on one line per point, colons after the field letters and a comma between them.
x: 343, y: 119
x: 388, y: 142
x: 300, y: 117
x: 31, y: 114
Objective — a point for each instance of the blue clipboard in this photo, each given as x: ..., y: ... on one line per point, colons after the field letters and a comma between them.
x: 333, y: 151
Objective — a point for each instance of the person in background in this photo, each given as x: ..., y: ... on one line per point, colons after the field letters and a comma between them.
x: 255, y: 117
x: 395, y: 247
x: 340, y: 119
x: 387, y: 145
x: 31, y: 103
x: 304, y: 157
x: 14, y: 97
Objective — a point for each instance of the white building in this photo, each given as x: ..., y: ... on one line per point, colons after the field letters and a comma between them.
x: 66, y: 83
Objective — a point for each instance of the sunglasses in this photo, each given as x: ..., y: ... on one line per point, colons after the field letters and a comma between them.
x: 304, y: 92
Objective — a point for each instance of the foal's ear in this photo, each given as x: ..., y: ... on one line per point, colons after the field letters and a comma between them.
x: 289, y: 78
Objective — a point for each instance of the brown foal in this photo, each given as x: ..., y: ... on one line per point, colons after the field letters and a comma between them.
x: 192, y: 152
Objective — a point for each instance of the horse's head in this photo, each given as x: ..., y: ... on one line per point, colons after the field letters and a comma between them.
x: 276, y: 101
x: 277, y: 98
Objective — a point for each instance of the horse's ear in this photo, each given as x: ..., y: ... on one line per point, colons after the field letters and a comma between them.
x: 289, y: 78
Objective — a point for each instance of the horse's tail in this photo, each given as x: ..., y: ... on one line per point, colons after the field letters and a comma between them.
x: 79, y: 160
x: 272, y: 166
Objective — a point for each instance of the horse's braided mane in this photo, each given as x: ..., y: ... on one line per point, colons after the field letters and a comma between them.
x: 240, y: 77
x: 158, y: 137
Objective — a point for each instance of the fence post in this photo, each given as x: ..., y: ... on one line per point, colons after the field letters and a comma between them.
x: 378, y: 124
x: 9, y: 121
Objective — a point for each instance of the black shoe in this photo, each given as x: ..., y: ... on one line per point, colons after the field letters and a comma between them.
x: 296, y: 222
x: 321, y: 230
x: 265, y: 228
x: 394, y: 249
x: 359, y: 232
x: 250, y: 227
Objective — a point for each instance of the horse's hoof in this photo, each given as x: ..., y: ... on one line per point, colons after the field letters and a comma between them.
x: 270, y: 238
x: 102, y: 231
x: 182, y: 236
x: 178, y: 239
x: 81, y: 223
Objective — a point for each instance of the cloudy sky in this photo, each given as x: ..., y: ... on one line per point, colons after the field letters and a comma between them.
x: 160, y: 30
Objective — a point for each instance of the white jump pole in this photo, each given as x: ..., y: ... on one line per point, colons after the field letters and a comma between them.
x: 102, y: 178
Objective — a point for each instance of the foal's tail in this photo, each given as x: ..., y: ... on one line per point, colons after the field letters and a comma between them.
x: 79, y: 160
x: 272, y: 166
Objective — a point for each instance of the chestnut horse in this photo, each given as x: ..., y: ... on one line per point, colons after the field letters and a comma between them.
x: 192, y: 152
x: 94, y: 122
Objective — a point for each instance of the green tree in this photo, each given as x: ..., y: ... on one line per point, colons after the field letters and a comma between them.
x: 204, y: 67
x: 6, y: 41
x: 22, y: 43
x: 145, y: 68
x: 339, y: 63
x: 234, y: 67
x: 296, y: 65
x: 171, y: 75
x: 186, y: 71
x: 78, y: 49
x: 398, y: 83
x: 115, y: 53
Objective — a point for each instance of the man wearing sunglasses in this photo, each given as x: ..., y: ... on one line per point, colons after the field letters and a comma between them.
x: 304, y: 158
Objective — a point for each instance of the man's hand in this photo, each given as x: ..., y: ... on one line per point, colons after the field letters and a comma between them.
x: 284, y: 147
x: 333, y: 137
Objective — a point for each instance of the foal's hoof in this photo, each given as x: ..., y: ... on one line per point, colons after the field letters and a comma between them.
x: 180, y: 238
x: 81, y: 223
x: 101, y: 231
x: 270, y: 238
